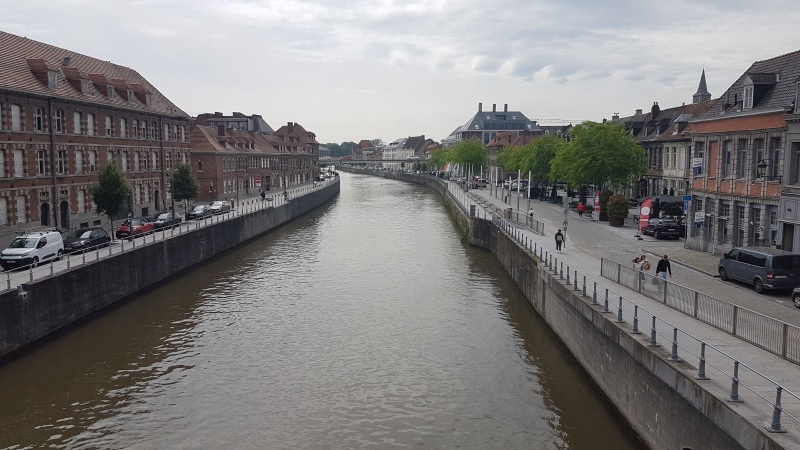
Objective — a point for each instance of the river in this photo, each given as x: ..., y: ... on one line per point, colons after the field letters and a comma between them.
x: 364, y: 324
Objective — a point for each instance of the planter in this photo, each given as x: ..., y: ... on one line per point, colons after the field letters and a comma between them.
x: 616, y: 222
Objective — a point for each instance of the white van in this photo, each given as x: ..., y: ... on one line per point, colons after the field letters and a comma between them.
x: 32, y: 248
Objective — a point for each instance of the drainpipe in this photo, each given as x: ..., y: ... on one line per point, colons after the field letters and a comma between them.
x: 54, y: 200
x: 161, y: 153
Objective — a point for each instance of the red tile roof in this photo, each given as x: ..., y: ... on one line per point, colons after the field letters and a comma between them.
x: 22, y: 59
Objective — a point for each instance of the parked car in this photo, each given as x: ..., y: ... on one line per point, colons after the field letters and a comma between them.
x: 198, y: 212
x: 135, y: 227
x: 763, y: 267
x: 796, y: 297
x: 32, y: 248
x: 86, y: 238
x: 659, y: 228
x: 167, y: 219
x: 219, y: 207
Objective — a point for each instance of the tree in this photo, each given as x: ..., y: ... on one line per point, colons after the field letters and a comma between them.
x: 377, y: 142
x: 184, y: 184
x: 110, y: 192
x: 617, y: 209
x: 469, y: 153
x: 599, y: 153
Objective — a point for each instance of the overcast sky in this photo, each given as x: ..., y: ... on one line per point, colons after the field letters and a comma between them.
x: 364, y: 69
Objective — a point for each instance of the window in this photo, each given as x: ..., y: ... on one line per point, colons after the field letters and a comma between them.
x: 52, y: 80
x: 125, y: 161
x: 741, y: 159
x: 153, y: 131
x: 38, y: 119
x: 61, y: 162
x: 199, y: 166
x: 109, y: 129
x: 19, y: 168
x: 155, y: 161
x: 112, y: 93
x: 22, y: 213
x: 77, y: 126
x: 168, y: 161
x: 143, y: 129
x: 175, y: 132
x: 758, y: 156
x: 144, y: 156
x: 109, y: 157
x: 747, y: 98
x: 183, y: 133
x: 727, y: 156
x: 123, y: 128
x: 78, y: 162
x: 81, y: 201
x: 135, y: 129
x: 84, y: 86
x: 16, y: 120
x: 92, y: 161
x: 775, y: 154
x: 2, y: 163
x: 166, y: 132
x: 41, y: 162
x: 90, y: 124
x: 58, y: 124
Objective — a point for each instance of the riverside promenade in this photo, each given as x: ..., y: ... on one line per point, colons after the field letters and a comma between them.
x: 749, y: 380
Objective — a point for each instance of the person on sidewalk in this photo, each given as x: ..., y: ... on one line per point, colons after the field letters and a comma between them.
x: 580, y: 209
x: 663, y: 268
x: 644, y: 263
x: 559, y: 240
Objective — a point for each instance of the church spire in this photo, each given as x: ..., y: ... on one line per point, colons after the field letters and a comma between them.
x: 702, y: 93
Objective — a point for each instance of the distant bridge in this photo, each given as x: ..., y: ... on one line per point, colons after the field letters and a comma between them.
x: 339, y: 160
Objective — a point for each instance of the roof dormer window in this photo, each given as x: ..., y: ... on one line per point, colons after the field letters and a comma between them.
x: 112, y: 93
x: 84, y: 86
x: 747, y: 97
x: 52, y: 80
x: 131, y: 96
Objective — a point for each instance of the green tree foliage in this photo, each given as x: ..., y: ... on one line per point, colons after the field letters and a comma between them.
x: 339, y: 150
x: 598, y: 153
x: 184, y: 184
x: 377, y: 142
x: 535, y: 157
x: 110, y: 192
x: 469, y: 153
x: 439, y: 157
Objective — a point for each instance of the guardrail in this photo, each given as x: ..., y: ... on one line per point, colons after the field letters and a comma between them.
x: 773, y: 335
x: 710, y: 359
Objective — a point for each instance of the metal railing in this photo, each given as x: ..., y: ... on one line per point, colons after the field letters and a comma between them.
x: 773, y: 335
x: 711, y: 360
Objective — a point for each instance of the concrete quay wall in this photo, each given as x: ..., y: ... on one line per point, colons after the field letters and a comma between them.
x: 659, y: 398
x: 59, y: 300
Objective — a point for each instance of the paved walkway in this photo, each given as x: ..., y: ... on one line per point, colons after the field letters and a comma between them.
x: 587, y: 241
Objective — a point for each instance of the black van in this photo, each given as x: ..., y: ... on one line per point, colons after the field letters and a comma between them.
x: 763, y: 267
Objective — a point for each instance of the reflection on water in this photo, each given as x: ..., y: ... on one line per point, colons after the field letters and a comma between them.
x: 363, y: 324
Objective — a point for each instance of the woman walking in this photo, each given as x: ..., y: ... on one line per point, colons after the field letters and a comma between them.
x: 559, y: 240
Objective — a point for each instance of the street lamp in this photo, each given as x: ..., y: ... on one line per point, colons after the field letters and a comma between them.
x: 762, y: 172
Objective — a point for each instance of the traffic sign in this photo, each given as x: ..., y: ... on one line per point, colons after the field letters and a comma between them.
x: 687, y: 198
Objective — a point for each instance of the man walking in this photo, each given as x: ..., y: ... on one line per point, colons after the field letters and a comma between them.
x: 559, y: 240
x: 662, y: 269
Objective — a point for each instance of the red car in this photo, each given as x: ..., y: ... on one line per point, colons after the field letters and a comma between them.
x: 132, y: 228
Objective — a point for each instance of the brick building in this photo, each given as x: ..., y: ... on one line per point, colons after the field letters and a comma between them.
x: 739, y: 159
x: 62, y: 116
x: 231, y: 164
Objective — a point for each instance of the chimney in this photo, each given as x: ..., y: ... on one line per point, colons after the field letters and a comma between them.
x: 67, y: 60
x: 220, y: 130
x: 638, y: 112
x: 290, y: 126
x: 217, y: 114
x: 505, y: 107
x: 494, y: 107
x: 480, y: 107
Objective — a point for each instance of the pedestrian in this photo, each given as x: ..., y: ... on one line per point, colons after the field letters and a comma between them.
x: 530, y: 213
x: 644, y: 263
x: 559, y: 240
x: 637, y: 264
x: 663, y: 268
x: 263, y: 196
x: 580, y: 209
